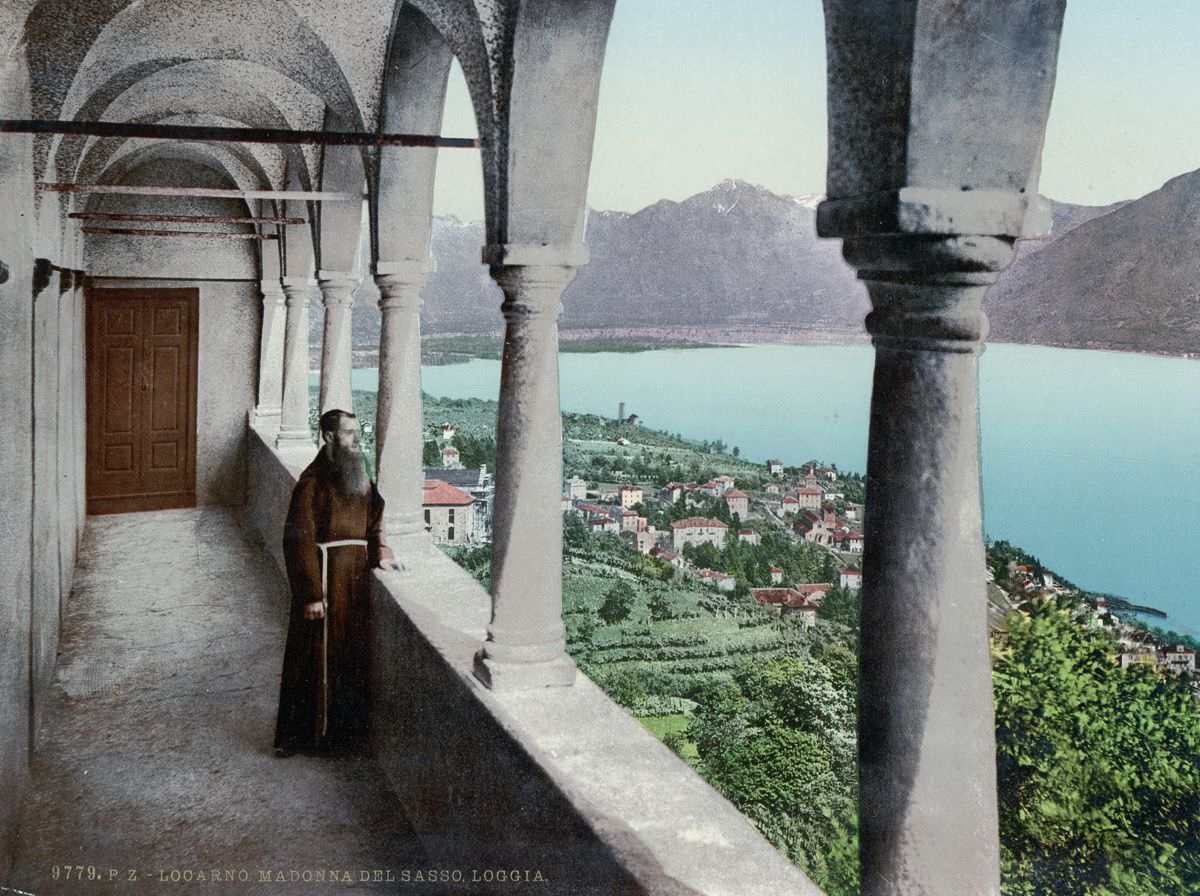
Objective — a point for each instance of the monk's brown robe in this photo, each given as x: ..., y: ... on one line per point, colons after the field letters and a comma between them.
x: 319, y: 512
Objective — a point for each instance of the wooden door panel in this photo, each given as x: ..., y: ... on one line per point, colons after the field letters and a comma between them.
x: 142, y: 354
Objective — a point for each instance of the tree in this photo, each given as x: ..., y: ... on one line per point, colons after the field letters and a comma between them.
x: 780, y: 745
x: 624, y: 687
x: 840, y: 605
x: 1099, y: 768
x: 575, y: 532
x: 618, y: 603
x: 660, y: 607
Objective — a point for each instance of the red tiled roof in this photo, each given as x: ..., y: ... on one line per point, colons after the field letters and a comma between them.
x: 441, y: 494
x: 734, y: 493
x: 806, y: 588
x: 809, y: 491
x: 782, y: 597
x: 698, y: 522
x: 774, y: 569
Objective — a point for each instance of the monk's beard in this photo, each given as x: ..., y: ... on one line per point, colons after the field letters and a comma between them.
x: 349, y: 471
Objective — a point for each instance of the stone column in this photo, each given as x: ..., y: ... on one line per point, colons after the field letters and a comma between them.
x: 927, y: 757
x: 337, y: 345
x: 269, y: 406
x: 399, y: 422
x: 526, y: 642
x: 937, y: 112
x: 293, y: 421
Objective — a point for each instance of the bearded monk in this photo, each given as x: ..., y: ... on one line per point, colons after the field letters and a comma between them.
x: 322, y: 695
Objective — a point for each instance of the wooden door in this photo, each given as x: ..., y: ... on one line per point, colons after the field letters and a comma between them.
x: 141, y: 399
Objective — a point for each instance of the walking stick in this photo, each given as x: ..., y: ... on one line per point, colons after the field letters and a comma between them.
x: 325, y: 546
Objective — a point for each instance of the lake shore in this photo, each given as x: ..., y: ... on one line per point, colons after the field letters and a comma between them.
x: 458, y: 348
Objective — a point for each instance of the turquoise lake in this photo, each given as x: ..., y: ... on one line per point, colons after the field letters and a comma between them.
x: 1091, y: 460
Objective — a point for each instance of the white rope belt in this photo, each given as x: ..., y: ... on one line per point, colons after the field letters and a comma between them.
x: 325, y: 547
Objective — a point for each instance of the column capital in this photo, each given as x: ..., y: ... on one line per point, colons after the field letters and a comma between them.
x: 272, y: 292
x: 934, y: 211
x: 532, y: 291
x: 399, y: 292
x: 567, y: 255
x: 405, y: 267
x: 296, y: 291
x: 336, y: 289
x: 927, y: 291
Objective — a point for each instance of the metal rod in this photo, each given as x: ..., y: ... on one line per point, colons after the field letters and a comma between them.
x: 205, y: 192
x: 133, y: 130
x: 183, y: 219
x: 207, y: 234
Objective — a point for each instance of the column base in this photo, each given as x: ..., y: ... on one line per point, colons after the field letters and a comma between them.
x: 269, y: 418
x: 497, y: 675
x: 285, y: 440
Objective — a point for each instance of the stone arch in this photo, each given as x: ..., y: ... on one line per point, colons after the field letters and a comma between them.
x: 477, y: 38
x: 172, y: 92
x: 337, y: 230
x: 103, y: 154
x: 297, y: 243
x: 413, y: 98
x: 545, y: 138
x: 202, y: 165
x: 222, y: 159
x: 295, y: 50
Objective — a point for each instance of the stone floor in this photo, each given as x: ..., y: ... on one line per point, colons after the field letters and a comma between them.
x: 155, y: 765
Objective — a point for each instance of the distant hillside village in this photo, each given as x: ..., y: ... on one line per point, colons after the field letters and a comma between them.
x: 682, y: 525
x: 664, y: 521
x: 1023, y: 583
x: 804, y: 509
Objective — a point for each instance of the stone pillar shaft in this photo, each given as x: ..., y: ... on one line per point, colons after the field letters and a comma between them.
x: 270, y: 354
x: 399, y: 425
x: 927, y: 760
x: 293, y: 422
x: 337, y: 343
x: 526, y: 644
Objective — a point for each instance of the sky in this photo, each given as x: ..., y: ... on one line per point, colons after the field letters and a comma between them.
x: 697, y: 91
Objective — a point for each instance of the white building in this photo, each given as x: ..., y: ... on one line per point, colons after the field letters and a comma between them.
x: 576, y: 488
x: 697, y: 530
x: 629, y: 495
x: 737, y: 501
x: 449, y: 513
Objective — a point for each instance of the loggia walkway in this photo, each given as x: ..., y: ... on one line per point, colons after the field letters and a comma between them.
x: 155, y: 767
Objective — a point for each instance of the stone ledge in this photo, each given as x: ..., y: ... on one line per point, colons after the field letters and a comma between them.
x: 935, y: 212
x: 559, y: 780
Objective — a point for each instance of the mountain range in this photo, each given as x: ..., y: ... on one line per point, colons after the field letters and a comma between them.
x: 738, y: 263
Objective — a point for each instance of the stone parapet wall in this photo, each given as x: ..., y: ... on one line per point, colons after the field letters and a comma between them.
x: 556, y: 781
